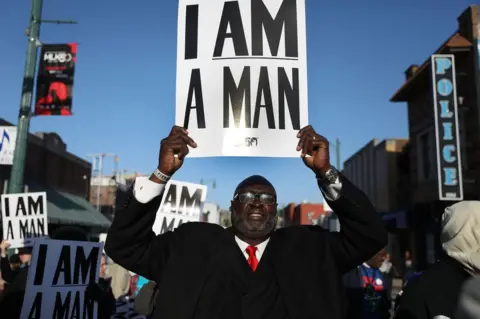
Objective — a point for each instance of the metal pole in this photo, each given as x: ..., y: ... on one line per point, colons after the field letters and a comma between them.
x: 337, y: 148
x: 18, y: 167
x: 99, y: 181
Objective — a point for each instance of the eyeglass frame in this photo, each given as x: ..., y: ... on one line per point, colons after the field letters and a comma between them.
x: 256, y: 196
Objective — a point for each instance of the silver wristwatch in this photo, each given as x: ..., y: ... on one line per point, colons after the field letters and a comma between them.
x: 330, y: 177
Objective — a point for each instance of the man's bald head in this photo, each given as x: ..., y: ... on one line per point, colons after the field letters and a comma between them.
x: 254, y: 180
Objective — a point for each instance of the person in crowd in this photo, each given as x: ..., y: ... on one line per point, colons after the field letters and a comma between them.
x: 367, y: 290
x: 414, y: 276
x: 408, y: 269
x: 16, y: 281
x: 469, y: 300
x: 120, y: 280
x: 2, y: 286
x: 387, y: 265
x: 408, y: 260
x: 249, y: 270
x: 436, y: 291
x: 101, y: 291
x: 15, y: 263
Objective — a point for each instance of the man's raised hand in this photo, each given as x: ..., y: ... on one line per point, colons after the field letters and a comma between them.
x: 173, y: 150
x: 316, y: 147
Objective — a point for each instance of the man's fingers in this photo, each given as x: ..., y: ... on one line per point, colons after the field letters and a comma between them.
x: 177, y: 129
x: 307, y: 146
x: 303, y: 130
x: 300, y: 142
x: 183, y: 152
x: 188, y: 140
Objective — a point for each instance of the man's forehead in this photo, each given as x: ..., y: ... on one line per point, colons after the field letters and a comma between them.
x: 257, y: 189
x: 255, y: 182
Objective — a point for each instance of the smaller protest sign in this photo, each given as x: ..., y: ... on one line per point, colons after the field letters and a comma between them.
x: 59, y: 274
x: 8, y: 137
x: 102, y: 238
x: 181, y: 203
x: 24, y: 218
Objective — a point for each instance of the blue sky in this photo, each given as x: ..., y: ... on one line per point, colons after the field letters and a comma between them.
x: 124, y: 97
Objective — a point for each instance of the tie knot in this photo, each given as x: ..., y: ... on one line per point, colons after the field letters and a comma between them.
x: 251, y: 250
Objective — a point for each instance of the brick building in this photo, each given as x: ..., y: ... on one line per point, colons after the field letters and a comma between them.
x: 423, y: 199
x: 65, y: 177
x: 304, y: 214
x: 108, y: 191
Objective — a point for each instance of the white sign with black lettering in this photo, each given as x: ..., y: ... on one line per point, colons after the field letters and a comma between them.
x: 24, y: 218
x: 242, y: 76
x: 59, y: 274
x: 181, y: 203
x: 8, y: 137
x: 102, y: 238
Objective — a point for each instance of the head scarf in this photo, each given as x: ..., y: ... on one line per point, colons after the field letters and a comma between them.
x: 460, y: 235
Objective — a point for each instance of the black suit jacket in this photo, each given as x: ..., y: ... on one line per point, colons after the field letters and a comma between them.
x: 308, y: 261
x: 11, y: 300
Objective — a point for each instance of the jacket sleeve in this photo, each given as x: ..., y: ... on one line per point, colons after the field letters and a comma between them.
x: 7, y: 273
x: 411, y: 305
x: 131, y: 242
x: 362, y: 233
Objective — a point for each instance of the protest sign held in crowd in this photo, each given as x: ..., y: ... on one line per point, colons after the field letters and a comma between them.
x: 59, y: 275
x: 181, y: 203
x: 24, y: 218
x: 242, y: 76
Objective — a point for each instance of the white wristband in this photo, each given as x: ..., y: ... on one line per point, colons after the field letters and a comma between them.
x: 163, y: 177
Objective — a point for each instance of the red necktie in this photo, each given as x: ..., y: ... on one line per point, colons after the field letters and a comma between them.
x: 252, y: 258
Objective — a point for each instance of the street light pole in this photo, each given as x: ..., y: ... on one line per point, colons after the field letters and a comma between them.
x: 337, y: 149
x: 18, y: 167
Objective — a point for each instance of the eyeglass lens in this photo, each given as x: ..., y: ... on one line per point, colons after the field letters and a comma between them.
x: 248, y: 197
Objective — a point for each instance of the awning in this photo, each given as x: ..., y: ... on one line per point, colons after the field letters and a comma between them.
x: 65, y: 208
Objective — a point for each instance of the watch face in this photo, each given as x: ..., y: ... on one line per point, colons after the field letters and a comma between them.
x: 331, y: 176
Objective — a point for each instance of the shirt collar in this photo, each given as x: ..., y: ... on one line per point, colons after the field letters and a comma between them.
x: 260, y: 247
x: 366, y: 265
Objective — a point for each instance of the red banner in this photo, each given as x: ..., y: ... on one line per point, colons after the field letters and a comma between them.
x: 55, y: 79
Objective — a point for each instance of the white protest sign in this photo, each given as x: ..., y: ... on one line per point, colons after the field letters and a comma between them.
x: 181, y: 203
x: 102, y: 238
x: 24, y: 218
x: 59, y: 274
x: 8, y: 139
x: 242, y: 76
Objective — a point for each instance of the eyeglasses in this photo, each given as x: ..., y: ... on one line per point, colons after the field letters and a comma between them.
x: 249, y: 197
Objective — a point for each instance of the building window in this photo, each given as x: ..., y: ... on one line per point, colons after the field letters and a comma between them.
x: 426, y: 156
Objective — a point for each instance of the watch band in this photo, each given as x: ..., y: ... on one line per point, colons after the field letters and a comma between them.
x: 330, y: 176
x: 163, y: 177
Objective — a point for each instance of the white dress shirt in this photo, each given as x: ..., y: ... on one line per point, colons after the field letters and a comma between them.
x: 260, y: 247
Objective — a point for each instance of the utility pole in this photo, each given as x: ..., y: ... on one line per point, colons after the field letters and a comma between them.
x: 15, y: 184
x: 338, y: 162
x: 337, y: 149
x: 18, y: 166
x: 97, y: 171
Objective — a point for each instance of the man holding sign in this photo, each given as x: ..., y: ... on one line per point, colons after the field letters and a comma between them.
x: 249, y: 270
